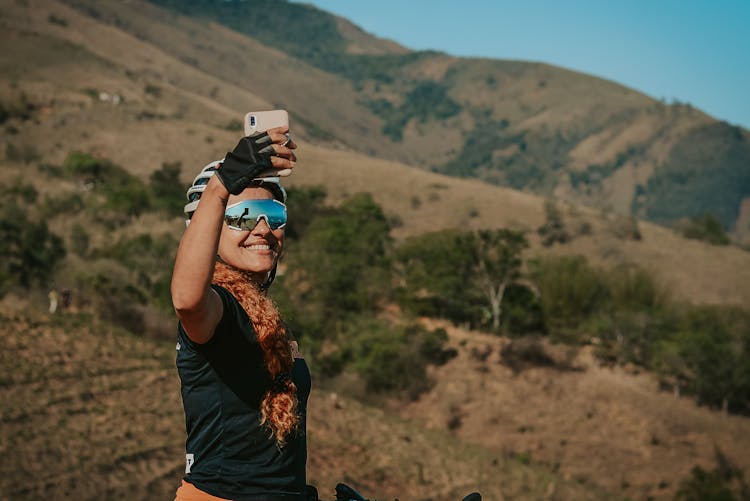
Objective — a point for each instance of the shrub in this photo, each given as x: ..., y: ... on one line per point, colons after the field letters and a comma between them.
x: 432, y: 347
x: 30, y: 251
x: 726, y: 482
x: 553, y: 230
x: 570, y: 291
x: 304, y: 205
x: 79, y: 240
x: 344, y: 256
x: 521, y: 311
x: 707, y: 228
x: 149, y: 260
x: 122, y: 191
x: 60, y: 21
x: 64, y: 203
x: 526, y: 352
x: 395, y: 359
x: 166, y: 188
x: 712, y: 345
x: 114, y: 294
x: 152, y: 90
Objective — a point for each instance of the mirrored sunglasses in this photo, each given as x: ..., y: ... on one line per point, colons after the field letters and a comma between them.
x: 243, y: 216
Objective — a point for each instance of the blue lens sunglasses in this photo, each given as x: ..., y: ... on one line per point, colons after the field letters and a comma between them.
x: 244, y: 215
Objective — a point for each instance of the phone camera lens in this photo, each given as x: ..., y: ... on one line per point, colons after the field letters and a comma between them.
x: 252, y: 120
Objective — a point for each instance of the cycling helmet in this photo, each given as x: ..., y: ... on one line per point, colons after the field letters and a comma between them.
x: 195, y: 190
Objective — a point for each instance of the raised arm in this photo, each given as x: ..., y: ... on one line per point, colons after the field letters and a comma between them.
x: 198, y: 306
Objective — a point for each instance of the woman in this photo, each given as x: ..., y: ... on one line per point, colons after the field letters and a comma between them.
x: 244, y: 384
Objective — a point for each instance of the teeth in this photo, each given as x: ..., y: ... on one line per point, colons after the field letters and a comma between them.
x: 258, y: 247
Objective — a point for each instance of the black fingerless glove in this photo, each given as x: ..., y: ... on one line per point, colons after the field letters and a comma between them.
x: 251, y: 156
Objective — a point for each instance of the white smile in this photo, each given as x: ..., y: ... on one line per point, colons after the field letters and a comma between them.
x: 258, y: 247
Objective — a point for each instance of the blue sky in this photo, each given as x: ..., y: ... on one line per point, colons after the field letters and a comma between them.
x: 695, y: 52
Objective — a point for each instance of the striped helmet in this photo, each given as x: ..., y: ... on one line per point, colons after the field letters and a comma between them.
x: 195, y: 190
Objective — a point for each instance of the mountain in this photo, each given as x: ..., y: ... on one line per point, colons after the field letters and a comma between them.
x: 528, y: 126
x: 524, y: 125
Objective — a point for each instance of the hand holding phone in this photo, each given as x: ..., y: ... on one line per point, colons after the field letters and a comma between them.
x: 261, y: 121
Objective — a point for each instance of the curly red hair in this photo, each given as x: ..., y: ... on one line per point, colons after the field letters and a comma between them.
x: 279, y: 405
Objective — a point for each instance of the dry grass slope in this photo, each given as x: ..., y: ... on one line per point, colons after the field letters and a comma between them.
x: 608, y: 427
x: 92, y: 413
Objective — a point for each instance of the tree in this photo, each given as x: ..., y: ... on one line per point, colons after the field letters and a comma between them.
x: 304, y: 205
x: 497, y: 258
x: 449, y: 273
x: 30, y: 251
x: 432, y: 268
x: 344, y: 258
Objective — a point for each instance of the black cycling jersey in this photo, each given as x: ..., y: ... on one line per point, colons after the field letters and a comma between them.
x: 228, y: 453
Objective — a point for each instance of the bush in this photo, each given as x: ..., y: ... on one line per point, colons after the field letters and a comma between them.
x: 167, y: 190
x: 707, y: 228
x: 234, y: 125
x: 64, y: 203
x: 150, y: 260
x: 432, y: 347
x: 22, y: 192
x: 344, y: 258
x: 30, y: 251
x: 304, y: 205
x: 24, y: 153
x: 394, y: 359
x: 571, y: 291
x: 433, y: 267
x: 526, y: 352
x: 122, y: 192
x: 114, y: 294
x: 522, y: 311
x: 553, y: 230
x: 79, y: 240
x: 726, y: 482
x: 709, y: 352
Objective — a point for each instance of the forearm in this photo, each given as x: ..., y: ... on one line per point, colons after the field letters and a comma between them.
x: 196, y: 255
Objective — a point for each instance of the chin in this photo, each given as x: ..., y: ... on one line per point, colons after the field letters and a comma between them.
x: 258, y: 267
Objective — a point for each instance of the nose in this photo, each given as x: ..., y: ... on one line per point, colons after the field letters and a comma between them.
x: 261, y: 227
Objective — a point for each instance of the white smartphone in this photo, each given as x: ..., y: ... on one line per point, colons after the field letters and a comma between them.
x: 261, y: 121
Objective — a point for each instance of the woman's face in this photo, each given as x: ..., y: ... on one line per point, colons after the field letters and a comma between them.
x: 256, y: 251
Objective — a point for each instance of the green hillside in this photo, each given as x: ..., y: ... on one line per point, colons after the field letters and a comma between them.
x: 516, y: 124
